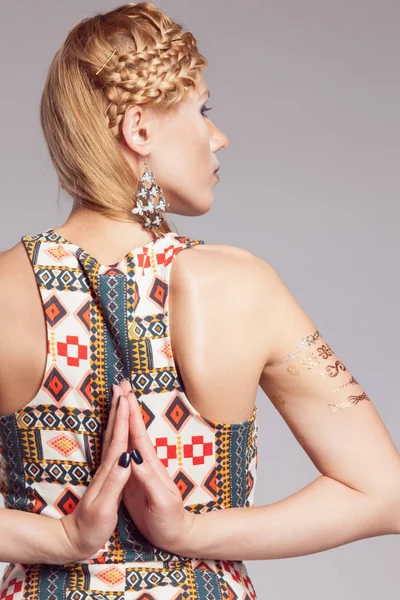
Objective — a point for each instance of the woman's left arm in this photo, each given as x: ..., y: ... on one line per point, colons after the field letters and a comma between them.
x: 358, y: 493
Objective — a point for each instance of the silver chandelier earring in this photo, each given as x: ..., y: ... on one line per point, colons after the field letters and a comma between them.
x: 151, y: 192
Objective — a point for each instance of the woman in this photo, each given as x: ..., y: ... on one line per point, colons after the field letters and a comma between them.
x: 146, y: 489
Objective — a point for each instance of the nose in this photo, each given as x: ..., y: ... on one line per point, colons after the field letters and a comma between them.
x: 225, y: 141
x: 219, y: 140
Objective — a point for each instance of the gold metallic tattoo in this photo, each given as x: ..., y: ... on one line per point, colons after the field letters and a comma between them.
x: 350, y: 401
x: 325, y: 351
x: 312, y: 360
x: 337, y: 366
x: 310, y: 339
x: 353, y: 380
x: 293, y: 370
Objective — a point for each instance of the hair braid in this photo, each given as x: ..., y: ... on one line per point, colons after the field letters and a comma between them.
x: 156, y: 64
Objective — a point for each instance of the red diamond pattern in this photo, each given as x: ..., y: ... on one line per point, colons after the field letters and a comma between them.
x: 13, y: 587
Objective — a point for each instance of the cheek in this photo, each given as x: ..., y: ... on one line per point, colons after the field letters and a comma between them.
x: 194, y: 149
x: 186, y: 149
x: 202, y: 142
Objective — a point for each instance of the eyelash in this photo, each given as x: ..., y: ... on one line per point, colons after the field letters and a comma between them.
x: 204, y: 108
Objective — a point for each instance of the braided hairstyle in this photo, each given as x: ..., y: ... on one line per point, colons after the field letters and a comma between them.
x: 156, y: 64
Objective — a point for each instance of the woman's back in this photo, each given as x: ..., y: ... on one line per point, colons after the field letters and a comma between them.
x: 106, y: 323
x: 218, y: 344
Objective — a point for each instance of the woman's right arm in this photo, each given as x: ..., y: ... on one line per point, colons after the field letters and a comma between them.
x: 25, y: 537
x: 32, y: 538
x: 28, y: 537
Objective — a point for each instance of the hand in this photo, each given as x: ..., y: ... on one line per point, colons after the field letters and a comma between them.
x: 94, y: 519
x: 151, y: 497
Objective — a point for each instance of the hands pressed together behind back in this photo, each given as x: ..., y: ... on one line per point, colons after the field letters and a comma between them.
x: 151, y: 497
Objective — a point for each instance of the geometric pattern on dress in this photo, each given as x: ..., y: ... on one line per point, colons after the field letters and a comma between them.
x: 184, y: 483
x: 209, y: 483
x: 157, y: 381
x: 84, y: 389
x: 12, y: 583
x: 151, y: 326
x: 166, y: 350
x: 113, y: 300
x: 32, y: 578
x: 56, y: 384
x: 142, y: 355
x: 105, y: 323
x: 57, y: 471
x: 207, y: 583
x: 147, y: 415
x: 82, y: 314
x: 49, y: 416
x: 176, y: 413
x: 12, y: 589
x: 61, y: 279
x: 55, y: 311
x: 149, y: 578
x: 158, y: 291
x: 236, y: 574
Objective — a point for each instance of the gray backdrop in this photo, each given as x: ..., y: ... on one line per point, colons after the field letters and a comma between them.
x: 308, y: 93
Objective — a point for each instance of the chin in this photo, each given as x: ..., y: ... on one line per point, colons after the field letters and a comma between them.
x: 194, y: 207
x: 204, y: 206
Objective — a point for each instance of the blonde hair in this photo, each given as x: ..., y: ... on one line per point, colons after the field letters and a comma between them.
x: 156, y: 65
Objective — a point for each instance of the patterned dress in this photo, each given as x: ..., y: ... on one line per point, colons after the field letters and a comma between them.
x: 106, y: 323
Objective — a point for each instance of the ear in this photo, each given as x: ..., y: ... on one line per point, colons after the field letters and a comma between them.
x: 136, y: 129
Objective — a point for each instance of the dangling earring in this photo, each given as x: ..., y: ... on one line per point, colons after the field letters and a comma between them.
x: 148, y: 193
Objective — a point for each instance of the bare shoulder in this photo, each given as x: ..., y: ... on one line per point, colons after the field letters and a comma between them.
x: 227, y: 284
x: 12, y: 263
x: 16, y: 284
x: 16, y: 293
x: 219, y: 263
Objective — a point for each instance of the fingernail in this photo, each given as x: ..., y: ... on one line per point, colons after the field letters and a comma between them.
x: 112, y: 390
x: 124, y: 459
x: 137, y: 457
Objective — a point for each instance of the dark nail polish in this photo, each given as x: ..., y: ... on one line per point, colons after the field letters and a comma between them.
x: 124, y: 459
x: 137, y: 457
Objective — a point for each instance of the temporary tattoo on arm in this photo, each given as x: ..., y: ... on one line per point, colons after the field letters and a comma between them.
x: 324, y: 351
x: 335, y: 369
x: 310, y: 361
x: 350, y: 401
x: 353, y: 380
x: 310, y: 339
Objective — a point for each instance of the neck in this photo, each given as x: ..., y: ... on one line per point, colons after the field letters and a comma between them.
x: 103, y: 237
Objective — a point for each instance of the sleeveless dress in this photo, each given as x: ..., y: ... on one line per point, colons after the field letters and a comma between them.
x: 106, y: 323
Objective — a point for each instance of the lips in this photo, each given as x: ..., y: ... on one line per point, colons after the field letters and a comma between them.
x: 216, y: 170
